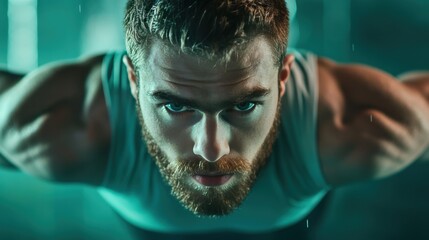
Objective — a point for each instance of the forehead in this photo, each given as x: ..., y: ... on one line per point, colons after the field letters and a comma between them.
x: 197, y: 77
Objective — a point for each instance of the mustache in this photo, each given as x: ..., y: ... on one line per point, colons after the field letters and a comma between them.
x: 225, y: 165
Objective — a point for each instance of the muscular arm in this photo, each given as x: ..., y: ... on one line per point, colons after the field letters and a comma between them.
x: 418, y: 82
x: 424, y: 157
x: 54, y: 123
x: 5, y: 163
x: 7, y: 80
x: 370, y: 125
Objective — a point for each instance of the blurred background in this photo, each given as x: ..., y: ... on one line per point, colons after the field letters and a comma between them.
x: 392, y: 35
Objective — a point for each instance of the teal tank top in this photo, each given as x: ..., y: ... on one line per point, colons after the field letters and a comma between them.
x: 288, y: 187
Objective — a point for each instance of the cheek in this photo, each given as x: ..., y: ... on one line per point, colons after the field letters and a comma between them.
x: 169, y: 135
x: 151, y: 122
x: 248, y: 142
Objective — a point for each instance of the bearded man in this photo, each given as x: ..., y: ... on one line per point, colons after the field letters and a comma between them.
x: 208, y: 124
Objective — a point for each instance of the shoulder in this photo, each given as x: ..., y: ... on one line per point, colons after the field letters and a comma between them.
x: 61, y: 95
x: 94, y: 120
x: 369, y: 124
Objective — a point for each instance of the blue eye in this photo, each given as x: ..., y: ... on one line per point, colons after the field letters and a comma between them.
x: 175, y: 108
x: 245, y: 107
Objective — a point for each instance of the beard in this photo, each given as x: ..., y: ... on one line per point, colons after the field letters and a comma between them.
x: 210, y: 201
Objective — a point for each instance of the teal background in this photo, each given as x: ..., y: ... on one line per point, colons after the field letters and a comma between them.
x: 392, y: 35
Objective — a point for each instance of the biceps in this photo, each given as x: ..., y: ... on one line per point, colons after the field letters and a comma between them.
x: 381, y: 144
x: 45, y: 145
x: 374, y: 126
x: 60, y: 146
x: 383, y: 127
x: 370, y: 146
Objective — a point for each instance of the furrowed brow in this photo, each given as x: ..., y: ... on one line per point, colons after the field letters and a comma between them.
x: 162, y: 95
x: 257, y: 92
x: 250, y: 94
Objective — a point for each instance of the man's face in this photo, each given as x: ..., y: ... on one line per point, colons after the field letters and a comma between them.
x: 210, y: 127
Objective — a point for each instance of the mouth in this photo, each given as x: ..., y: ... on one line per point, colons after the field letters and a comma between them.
x: 212, y: 180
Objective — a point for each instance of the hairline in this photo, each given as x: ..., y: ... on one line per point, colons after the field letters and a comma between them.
x: 221, y: 57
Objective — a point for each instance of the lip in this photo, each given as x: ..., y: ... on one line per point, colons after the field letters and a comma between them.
x: 212, y: 180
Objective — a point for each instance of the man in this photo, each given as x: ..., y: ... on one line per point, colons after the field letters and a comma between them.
x: 206, y: 125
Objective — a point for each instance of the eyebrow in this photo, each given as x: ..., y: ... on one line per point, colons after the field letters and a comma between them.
x: 256, y: 92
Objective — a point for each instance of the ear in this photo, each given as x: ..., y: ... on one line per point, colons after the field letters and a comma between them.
x: 285, y: 72
x: 132, y: 76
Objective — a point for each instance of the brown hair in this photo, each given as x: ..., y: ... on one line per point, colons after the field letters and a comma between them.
x: 204, y: 27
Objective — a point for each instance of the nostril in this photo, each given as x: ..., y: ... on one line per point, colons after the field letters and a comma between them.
x: 211, y: 139
x: 211, y: 152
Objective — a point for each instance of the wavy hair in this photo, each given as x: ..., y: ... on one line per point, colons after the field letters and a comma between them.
x: 209, y: 28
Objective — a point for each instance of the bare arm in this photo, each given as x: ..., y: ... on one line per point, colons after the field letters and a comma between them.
x: 5, y: 163
x: 7, y: 80
x: 370, y: 125
x: 54, y: 123
x: 424, y: 157
x: 419, y: 82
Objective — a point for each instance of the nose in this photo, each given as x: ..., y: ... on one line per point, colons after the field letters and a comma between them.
x: 211, y: 139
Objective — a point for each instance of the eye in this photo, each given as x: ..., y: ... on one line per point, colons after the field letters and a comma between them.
x: 245, y: 107
x: 176, y: 108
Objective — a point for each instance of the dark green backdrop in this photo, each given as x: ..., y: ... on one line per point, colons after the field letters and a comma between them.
x: 389, y: 34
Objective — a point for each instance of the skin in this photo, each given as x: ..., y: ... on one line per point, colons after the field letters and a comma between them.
x: 370, y: 125
x: 212, y: 132
x: 395, y: 138
x: 66, y: 96
x: 417, y: 81
x: 210, y: 138
x: 69, y: 96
